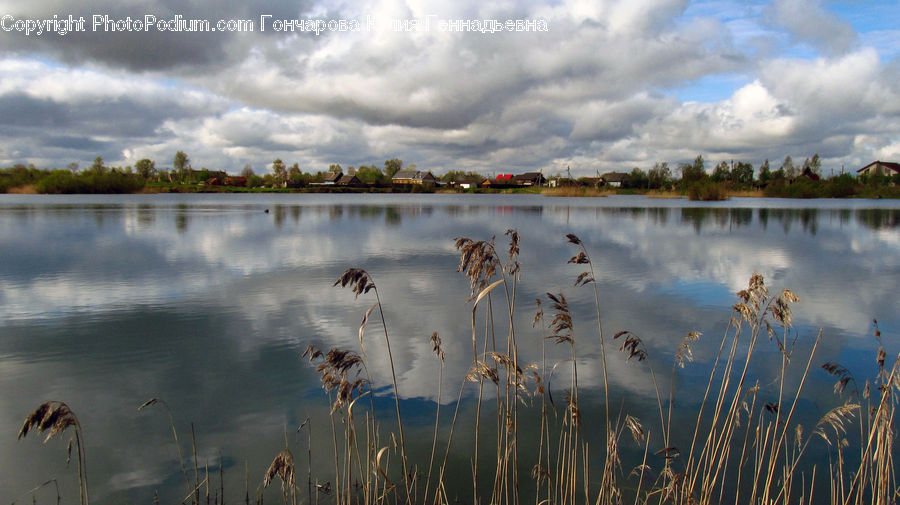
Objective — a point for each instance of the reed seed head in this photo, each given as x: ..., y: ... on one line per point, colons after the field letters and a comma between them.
x: 573, y: 239
x: 843, y: 375
x: 684, y: 352
x: 561, y: 325
x: 477, y: 261
x: 436, y: 346
x: 480, y: 371
x: 283, y: 467
x: 633, y: 346
x: 539, y: 314
x: 358, y: 280
x: 52, y: 417
x: 513, y: 266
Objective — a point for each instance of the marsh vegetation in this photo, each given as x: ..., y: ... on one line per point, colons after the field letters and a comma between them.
x: 744, y: 441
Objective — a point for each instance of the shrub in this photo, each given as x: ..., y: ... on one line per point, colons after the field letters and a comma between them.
x: 707, y: 190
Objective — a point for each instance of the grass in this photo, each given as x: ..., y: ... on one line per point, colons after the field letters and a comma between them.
x: 739, y: 446
x: 575, y: 191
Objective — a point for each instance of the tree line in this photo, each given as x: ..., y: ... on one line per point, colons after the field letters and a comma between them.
x: 802, y: 180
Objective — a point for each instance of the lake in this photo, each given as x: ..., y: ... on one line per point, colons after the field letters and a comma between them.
x: 208, y: 302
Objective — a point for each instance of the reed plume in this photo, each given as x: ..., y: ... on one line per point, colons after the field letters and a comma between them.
x: 283, y: 467
x: 54, y: 418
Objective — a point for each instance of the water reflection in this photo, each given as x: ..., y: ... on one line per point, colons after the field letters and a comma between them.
x: 209, y: 302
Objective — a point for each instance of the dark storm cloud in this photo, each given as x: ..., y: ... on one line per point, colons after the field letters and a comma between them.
x: 19, y: 109
x: 150, y: 49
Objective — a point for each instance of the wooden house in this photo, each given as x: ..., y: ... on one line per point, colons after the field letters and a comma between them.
x: 413, y: 177
x: 880, y: 168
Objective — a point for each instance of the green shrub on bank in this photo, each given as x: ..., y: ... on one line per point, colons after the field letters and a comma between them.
x: 707, y: 190
x: 60, y: 182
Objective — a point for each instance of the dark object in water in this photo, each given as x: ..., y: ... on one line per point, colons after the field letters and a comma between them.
x: 267, y: 211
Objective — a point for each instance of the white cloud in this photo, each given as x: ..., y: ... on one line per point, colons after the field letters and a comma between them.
x: 598, y: 89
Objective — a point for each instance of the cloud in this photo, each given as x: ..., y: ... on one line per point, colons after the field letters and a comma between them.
x: 148, y: 49
x: 596, y: 92
x: 807, y: 21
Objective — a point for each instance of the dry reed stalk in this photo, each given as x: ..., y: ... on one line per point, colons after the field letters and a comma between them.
x: 361, y: 283
x: 439, y: 352
x: 56, y: 417
x: 159, y: 401
x: 38, y: 488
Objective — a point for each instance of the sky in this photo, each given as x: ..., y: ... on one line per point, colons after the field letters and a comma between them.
x: 592, y: 86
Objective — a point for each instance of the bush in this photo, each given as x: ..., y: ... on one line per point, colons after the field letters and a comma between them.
x: 64, y: 182
x: 707, y: 190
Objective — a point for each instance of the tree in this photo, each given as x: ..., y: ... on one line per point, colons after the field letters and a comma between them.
x: 765, y: 173
x: 660, y: 176
x: 247, y: 171
x: 279, y: 171
x: 72, y: 167
x: 721, y: 172
x: 145, y: 168
x: 392, y: 166
x: 742, y: 173
x: 370, y: 174
x: 97, y: 166
x: 334, y: 168
x: 182, y: 164
x: 788, y: 168
x: 637, y: 178
x: 294, y: 174
x: 691, y: 172
x: 813, y: 165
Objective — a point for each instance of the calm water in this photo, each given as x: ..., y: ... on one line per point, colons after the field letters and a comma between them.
x: 208, y: 302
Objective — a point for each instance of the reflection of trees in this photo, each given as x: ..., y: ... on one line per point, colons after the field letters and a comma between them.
x: 878, y: 219
x: 658, y: 215
x: 369, y: 211
x: 694, y: 216
x: 146, y: 215
x: 392, y: 216
x: 741, y: 217
x: 809, y: 219
x: 279, y: 212
x: 723, y: 218
x: 182, y: 217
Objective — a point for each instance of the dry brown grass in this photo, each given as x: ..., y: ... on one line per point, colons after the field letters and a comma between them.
x: 655, y: 193
x: 749, y: 193
x: 576, y: 191
x: 28, y: 189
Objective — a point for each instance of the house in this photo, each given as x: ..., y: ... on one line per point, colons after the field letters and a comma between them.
x: 529, y: 179
x: 615, y: 179
x: 880, y: 168
x: 236, y: 180
x: 416, y: 177
x: 465, y: 183
x: 559, y: 182
x: 593, y: 182
x: 809, y: 174
x: 333, y: 177
x: 351, y: 181
x: 501, y: 181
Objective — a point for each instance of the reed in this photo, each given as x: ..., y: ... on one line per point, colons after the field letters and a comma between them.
x: 742, y: 445
x: 55, y: 417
